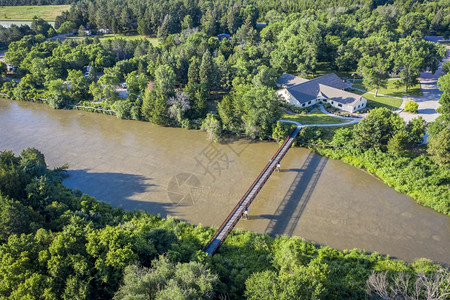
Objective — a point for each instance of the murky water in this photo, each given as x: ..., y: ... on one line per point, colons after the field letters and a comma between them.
x: 176, y: 172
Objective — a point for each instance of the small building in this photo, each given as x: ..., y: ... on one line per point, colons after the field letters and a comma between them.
x: 104, y: 31
x: 329, y: 88
x: 261, y: 25
x: 223, y: 36
x: 10, y: 69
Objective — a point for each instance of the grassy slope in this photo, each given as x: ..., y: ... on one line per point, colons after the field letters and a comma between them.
x: 46, y: 12
x: 316, y: 117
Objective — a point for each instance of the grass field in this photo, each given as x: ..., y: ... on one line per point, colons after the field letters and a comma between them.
x: 112, y: 36
x: 46, y: 12
x: 316, y: 117
x: 394, y: 88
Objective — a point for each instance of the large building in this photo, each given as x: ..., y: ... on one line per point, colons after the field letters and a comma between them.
x: 329, y: 88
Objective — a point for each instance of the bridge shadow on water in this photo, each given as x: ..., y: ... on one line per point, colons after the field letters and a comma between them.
x: 291, y: 208
x: 117, y: 189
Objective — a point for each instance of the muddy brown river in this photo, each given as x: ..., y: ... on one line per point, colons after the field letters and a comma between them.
x: 177, y: 172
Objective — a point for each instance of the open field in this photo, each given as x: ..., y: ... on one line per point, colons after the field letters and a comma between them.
x: 46, y: 12
x: 315, y: 117
x: 393, y: 88
x: 112, y: 36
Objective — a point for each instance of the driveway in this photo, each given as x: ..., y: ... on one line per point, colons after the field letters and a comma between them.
x: 428, y: 102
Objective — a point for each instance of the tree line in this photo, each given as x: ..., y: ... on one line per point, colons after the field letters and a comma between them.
x: 57, y: 243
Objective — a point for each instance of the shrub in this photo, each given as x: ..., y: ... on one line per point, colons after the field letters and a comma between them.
x: 411, y: 107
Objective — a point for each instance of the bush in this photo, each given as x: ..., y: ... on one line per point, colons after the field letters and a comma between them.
x: 411, y: 107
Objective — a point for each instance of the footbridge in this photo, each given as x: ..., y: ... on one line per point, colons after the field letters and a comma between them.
x: 237, y: 212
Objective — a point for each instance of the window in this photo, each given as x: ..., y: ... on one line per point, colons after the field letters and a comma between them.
x: 303, y: 104
x: 309, y: 102
x: 332, y: 102
x: 340, y: 105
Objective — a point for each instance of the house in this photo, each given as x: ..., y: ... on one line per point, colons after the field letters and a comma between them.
x: 223, y: 36
x: 329, y: 88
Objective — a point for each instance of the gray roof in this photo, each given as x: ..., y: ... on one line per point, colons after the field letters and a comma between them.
x: 288, y: 80
x: 339, y: 95
x: 329, y: 86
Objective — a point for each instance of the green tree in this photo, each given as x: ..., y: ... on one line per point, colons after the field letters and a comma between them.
x: 79, y: 85
x: 439, y: 147
x: 194, y: 72
x: 57, y: 94
x: 212, y: 127
x: 377, y: 128
x: 208, y: 72
x: 374, y: 70
x: 166, y: 280
x: 165, y: 81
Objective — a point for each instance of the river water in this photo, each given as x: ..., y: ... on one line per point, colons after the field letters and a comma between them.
x: 177, y: 172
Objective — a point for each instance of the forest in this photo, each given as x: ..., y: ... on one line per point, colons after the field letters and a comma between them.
x: 57, y: 243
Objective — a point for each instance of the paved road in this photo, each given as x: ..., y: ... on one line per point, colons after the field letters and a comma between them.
x: 428, y: 102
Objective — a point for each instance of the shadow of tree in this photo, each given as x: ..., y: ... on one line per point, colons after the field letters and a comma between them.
x: 116, y: 189
x: 291, y: 208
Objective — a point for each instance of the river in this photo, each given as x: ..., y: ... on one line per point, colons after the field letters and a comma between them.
x: 177, y: 172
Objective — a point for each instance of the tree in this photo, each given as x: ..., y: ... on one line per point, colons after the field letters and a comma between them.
x: 79, y: 85
x: 208, y: 71
x: 164, y: 81
x: 178, y: 105
x: 298, y: 47
x: 398, y: 143
x: 194, y: 71
x: 260, y: 111
x: 374, y: 70
x: 57, y: 94
x: 413, y: 24
x: 166, y: 280
x: 281, y: 131
x: 416, y: 130
x: 414, y: 56
x: 377, y: 128
x: 434, y: 285
x: 439, y: 147
x: 212, y: 126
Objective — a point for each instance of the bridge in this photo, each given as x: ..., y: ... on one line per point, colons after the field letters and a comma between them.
x: 237, y: 212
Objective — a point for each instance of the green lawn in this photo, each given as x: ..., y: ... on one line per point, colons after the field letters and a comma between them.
x: 46, y: 12
x: 372, y: 101
x: 394, y: 88
x: 315, y: 117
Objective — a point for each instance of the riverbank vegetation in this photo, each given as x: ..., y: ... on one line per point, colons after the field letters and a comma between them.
x: 62, y: 244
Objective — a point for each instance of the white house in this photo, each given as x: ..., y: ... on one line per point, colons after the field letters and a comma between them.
x: 329, y: 88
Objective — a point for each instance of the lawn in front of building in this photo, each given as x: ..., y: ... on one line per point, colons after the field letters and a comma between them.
x: 315, y: 117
